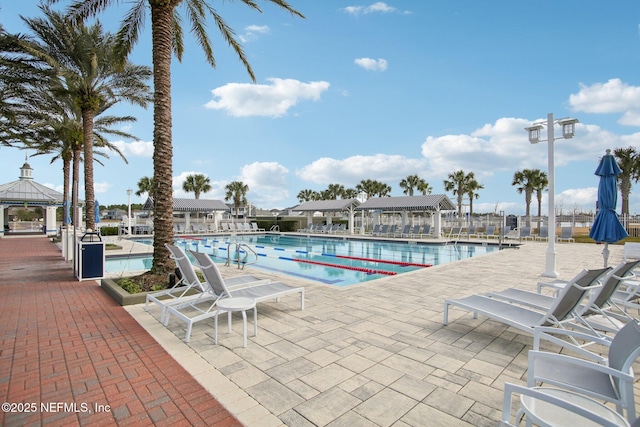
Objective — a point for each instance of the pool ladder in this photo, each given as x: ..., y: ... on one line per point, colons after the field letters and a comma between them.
x: 239, y: 248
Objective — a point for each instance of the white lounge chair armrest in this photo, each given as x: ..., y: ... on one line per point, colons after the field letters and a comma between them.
x: 510, y: 389
x: 554, y: 357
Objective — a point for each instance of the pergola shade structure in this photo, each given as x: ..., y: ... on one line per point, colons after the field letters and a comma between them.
x: 339, y: 205
x: 188, y: 206
x: 432, y: 203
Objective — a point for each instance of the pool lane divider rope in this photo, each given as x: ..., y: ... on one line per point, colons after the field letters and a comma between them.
x: 384, y: 261
x: 345, y: 267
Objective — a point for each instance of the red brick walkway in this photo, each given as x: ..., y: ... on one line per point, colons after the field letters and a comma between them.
x: 70, y: 356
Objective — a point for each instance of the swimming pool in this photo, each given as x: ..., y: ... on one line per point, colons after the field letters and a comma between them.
x: 335, y: 261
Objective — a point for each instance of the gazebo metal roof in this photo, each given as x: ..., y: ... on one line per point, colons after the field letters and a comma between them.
x: 192, y: 205
x: 429, y: 202
x: 327, y: 205
x: 26, y: 190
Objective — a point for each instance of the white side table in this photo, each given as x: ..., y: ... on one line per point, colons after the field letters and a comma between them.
x: 237, y: 304
x: 546, y: 414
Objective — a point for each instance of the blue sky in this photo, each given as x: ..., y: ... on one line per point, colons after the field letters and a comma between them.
x: 383, y: 90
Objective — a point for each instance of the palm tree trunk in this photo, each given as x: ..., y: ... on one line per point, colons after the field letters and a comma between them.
x: 89, y: 195
x: 162, y: 32
x: 74, y: 188
x: 66, y: 172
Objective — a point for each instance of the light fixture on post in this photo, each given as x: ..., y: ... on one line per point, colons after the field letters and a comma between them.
x: 129, y: 212
x: 568, y: 129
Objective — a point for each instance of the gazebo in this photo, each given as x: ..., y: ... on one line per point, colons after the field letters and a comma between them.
x: 340, y: 205
x: 25, y: 192
x: 432, y: 203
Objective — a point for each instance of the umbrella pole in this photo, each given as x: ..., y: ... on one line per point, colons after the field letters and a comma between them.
x: 605, y: 254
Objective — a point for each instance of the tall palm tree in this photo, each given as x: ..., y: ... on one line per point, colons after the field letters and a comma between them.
x: 166, y: 37
x: 237, y: 191
x: 307, y: 195
x: 629, y: 161
x: 145, y: 185
x: 197, y: 184
x: 457, y: 183
x: 472, y: 186
x: 412, y: 182
x: 91, y: 71
x: 525, y: 180
x: 58, y: 130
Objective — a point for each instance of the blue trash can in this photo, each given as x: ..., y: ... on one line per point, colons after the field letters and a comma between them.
x: 90, y: 257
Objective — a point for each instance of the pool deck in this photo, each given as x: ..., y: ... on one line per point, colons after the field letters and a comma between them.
x: 371, y: 354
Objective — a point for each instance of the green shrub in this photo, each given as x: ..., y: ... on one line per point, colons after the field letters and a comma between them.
x: 129, y: 286
x: 109, y: 231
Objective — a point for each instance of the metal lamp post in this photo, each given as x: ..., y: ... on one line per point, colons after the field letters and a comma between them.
x: 568, y: 129
x: 129, y: 211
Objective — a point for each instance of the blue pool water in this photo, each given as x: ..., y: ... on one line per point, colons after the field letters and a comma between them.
x: 334, y: 261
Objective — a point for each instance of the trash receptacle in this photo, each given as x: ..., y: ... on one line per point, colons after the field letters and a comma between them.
x: 90, y: 256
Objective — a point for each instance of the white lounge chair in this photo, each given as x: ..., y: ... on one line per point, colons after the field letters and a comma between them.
x: 599, y: 314
x: 254, y: 227
x: 612, y: 382
x: 526, y: 319
x: 189, y: 286
x: 205, y: 307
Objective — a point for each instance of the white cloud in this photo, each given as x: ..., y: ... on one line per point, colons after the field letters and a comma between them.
x: 372, y: 64
x: 352, y: 170
x: 378, y: 7
x: 101, y: 187
x: 266, y: 182
x: 252, y: 32
x: 614, y: 96
x: 272, y: 100
x: 135, y: 148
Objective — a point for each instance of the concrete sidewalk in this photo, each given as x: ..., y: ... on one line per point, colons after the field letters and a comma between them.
x: 70, y: 356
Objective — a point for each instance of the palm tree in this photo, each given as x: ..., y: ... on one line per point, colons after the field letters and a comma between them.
x: 166, y: 37
x: 412, y: 182
x: 333, y: 192
x: 540, y: 184
x: 472, y: 186
x: 350, y: 193
x: 424, y: 188
x: 629, y: 161
x: 373, y: 188
x: 58, y: 130
x: 197, y: 184
x: 457, y: 183
x: 237, y: 191
x: 91, y: 71
x: 307, y: 195
x: 145, y: 185
x: 527, y: 180
x: 21, y: 78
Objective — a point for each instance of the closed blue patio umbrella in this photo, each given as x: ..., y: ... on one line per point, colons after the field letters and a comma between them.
x: 97, y: 211
x: 607, y: 227
x: 66, y: 213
